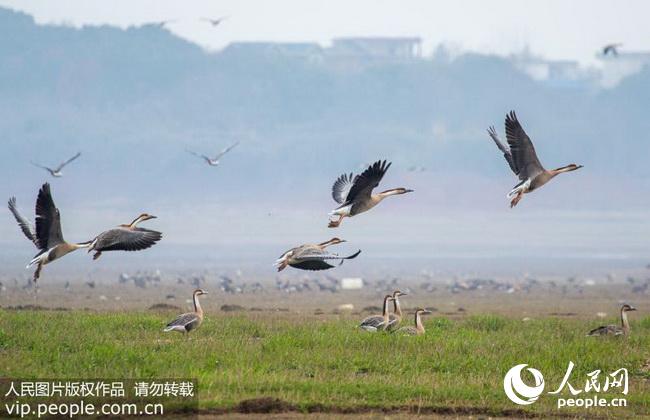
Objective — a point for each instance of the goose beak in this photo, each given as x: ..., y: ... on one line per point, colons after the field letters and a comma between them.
x: 408, y: 191
x: 632, y: 308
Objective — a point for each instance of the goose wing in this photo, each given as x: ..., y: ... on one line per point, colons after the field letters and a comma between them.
x: 184, y: 320
x: 341, y: 188
x: 312, y: 265
x: 363, y: 184
x: 50, y: 170
x: 25, y: 225
x: 226, y: 150
x: 67, y: 161
x: 374, y: 321
x: 506, y: 152
x: 48, y: 220
x: 522, y: 150
x: 606, y: 330
x: 124, y: 239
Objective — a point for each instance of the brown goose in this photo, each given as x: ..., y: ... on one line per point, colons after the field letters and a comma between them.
x: 125, y: 238
x: 624, y: 329
x: 418, y: 329
x: 354, y: 194
x: 47, y: 236
x: 312, y: 256
x: 523, y: 161
x: 56, y: 172
x: 376, y: 323
x: 191, y: 320
x: 396, y: 316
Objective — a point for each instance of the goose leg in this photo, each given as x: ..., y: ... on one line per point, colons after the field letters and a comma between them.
x: 517, y: 198
x: 336, y: 223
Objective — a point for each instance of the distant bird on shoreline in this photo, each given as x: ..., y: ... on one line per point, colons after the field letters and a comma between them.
x: 396, y: 317
x: 376, y: 323
x: 215, y: 22
x: 47, y: 236
x: 56, y: 172
x: 523, y: 161
x: 624, y: 329
x: 189, y: 321
x: 418, y: 329
x: 354, y: 194
x: 215, y: 160
x: 125, y: 238
x: 312, y: 256
x: 611, y: 49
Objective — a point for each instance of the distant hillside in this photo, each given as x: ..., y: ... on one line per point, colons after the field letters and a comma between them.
x: 132, y: 101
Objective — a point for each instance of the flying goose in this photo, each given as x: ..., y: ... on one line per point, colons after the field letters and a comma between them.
x: 376, y: 323
x: 125, y: 238
x: 189, y: 321
x: 624, y: 329
x: 215, y: 22
x: 47, y: 236
x: 611, y: 49
x: 312, y: 256
x: 418, y: 329
x: 396, y: 317
x: 523, y: 160
x: 215, y: 160
x: 56, y: 172
x: 354, y: 194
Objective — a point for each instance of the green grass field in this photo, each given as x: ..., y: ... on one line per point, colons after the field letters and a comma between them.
x: 329, y: 365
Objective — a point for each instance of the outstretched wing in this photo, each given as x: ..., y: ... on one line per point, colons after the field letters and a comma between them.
x: 123, y: 239
x: 506, y: 152
x: 363, y: 184
x: 523, y: 152
x: 313, y: 265
x: 50, y: 170
x: 341, y: 188
x: 226, y: 150
x: 48, y: 220
x: 67, y: 161
x: 197, y: 155
x: 25, y: 225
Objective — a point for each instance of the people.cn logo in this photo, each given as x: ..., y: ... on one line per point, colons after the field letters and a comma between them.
x: 517, y: 390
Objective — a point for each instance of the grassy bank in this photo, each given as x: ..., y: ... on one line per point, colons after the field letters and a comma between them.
x: 315, y: 364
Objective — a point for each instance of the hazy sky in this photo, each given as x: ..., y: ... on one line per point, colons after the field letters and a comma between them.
x: 558, y: 29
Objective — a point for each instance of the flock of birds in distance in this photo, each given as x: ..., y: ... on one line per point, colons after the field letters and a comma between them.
x: 353, y: 194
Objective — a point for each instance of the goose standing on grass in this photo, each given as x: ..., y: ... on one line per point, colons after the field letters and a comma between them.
x: 56, y: 172
x: 215, y: 160
x: 355, y: 194
x: 418, y: 329
x: 125, y: 238
x: 523, y: 161
x: 376, y: 323
x: 187, y: 322
x: 396, y: 317
x: 47, y: 236
x: 312, y: 256
x: 624, y: 329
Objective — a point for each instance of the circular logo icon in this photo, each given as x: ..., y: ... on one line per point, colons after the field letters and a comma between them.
x: 517, y: 390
